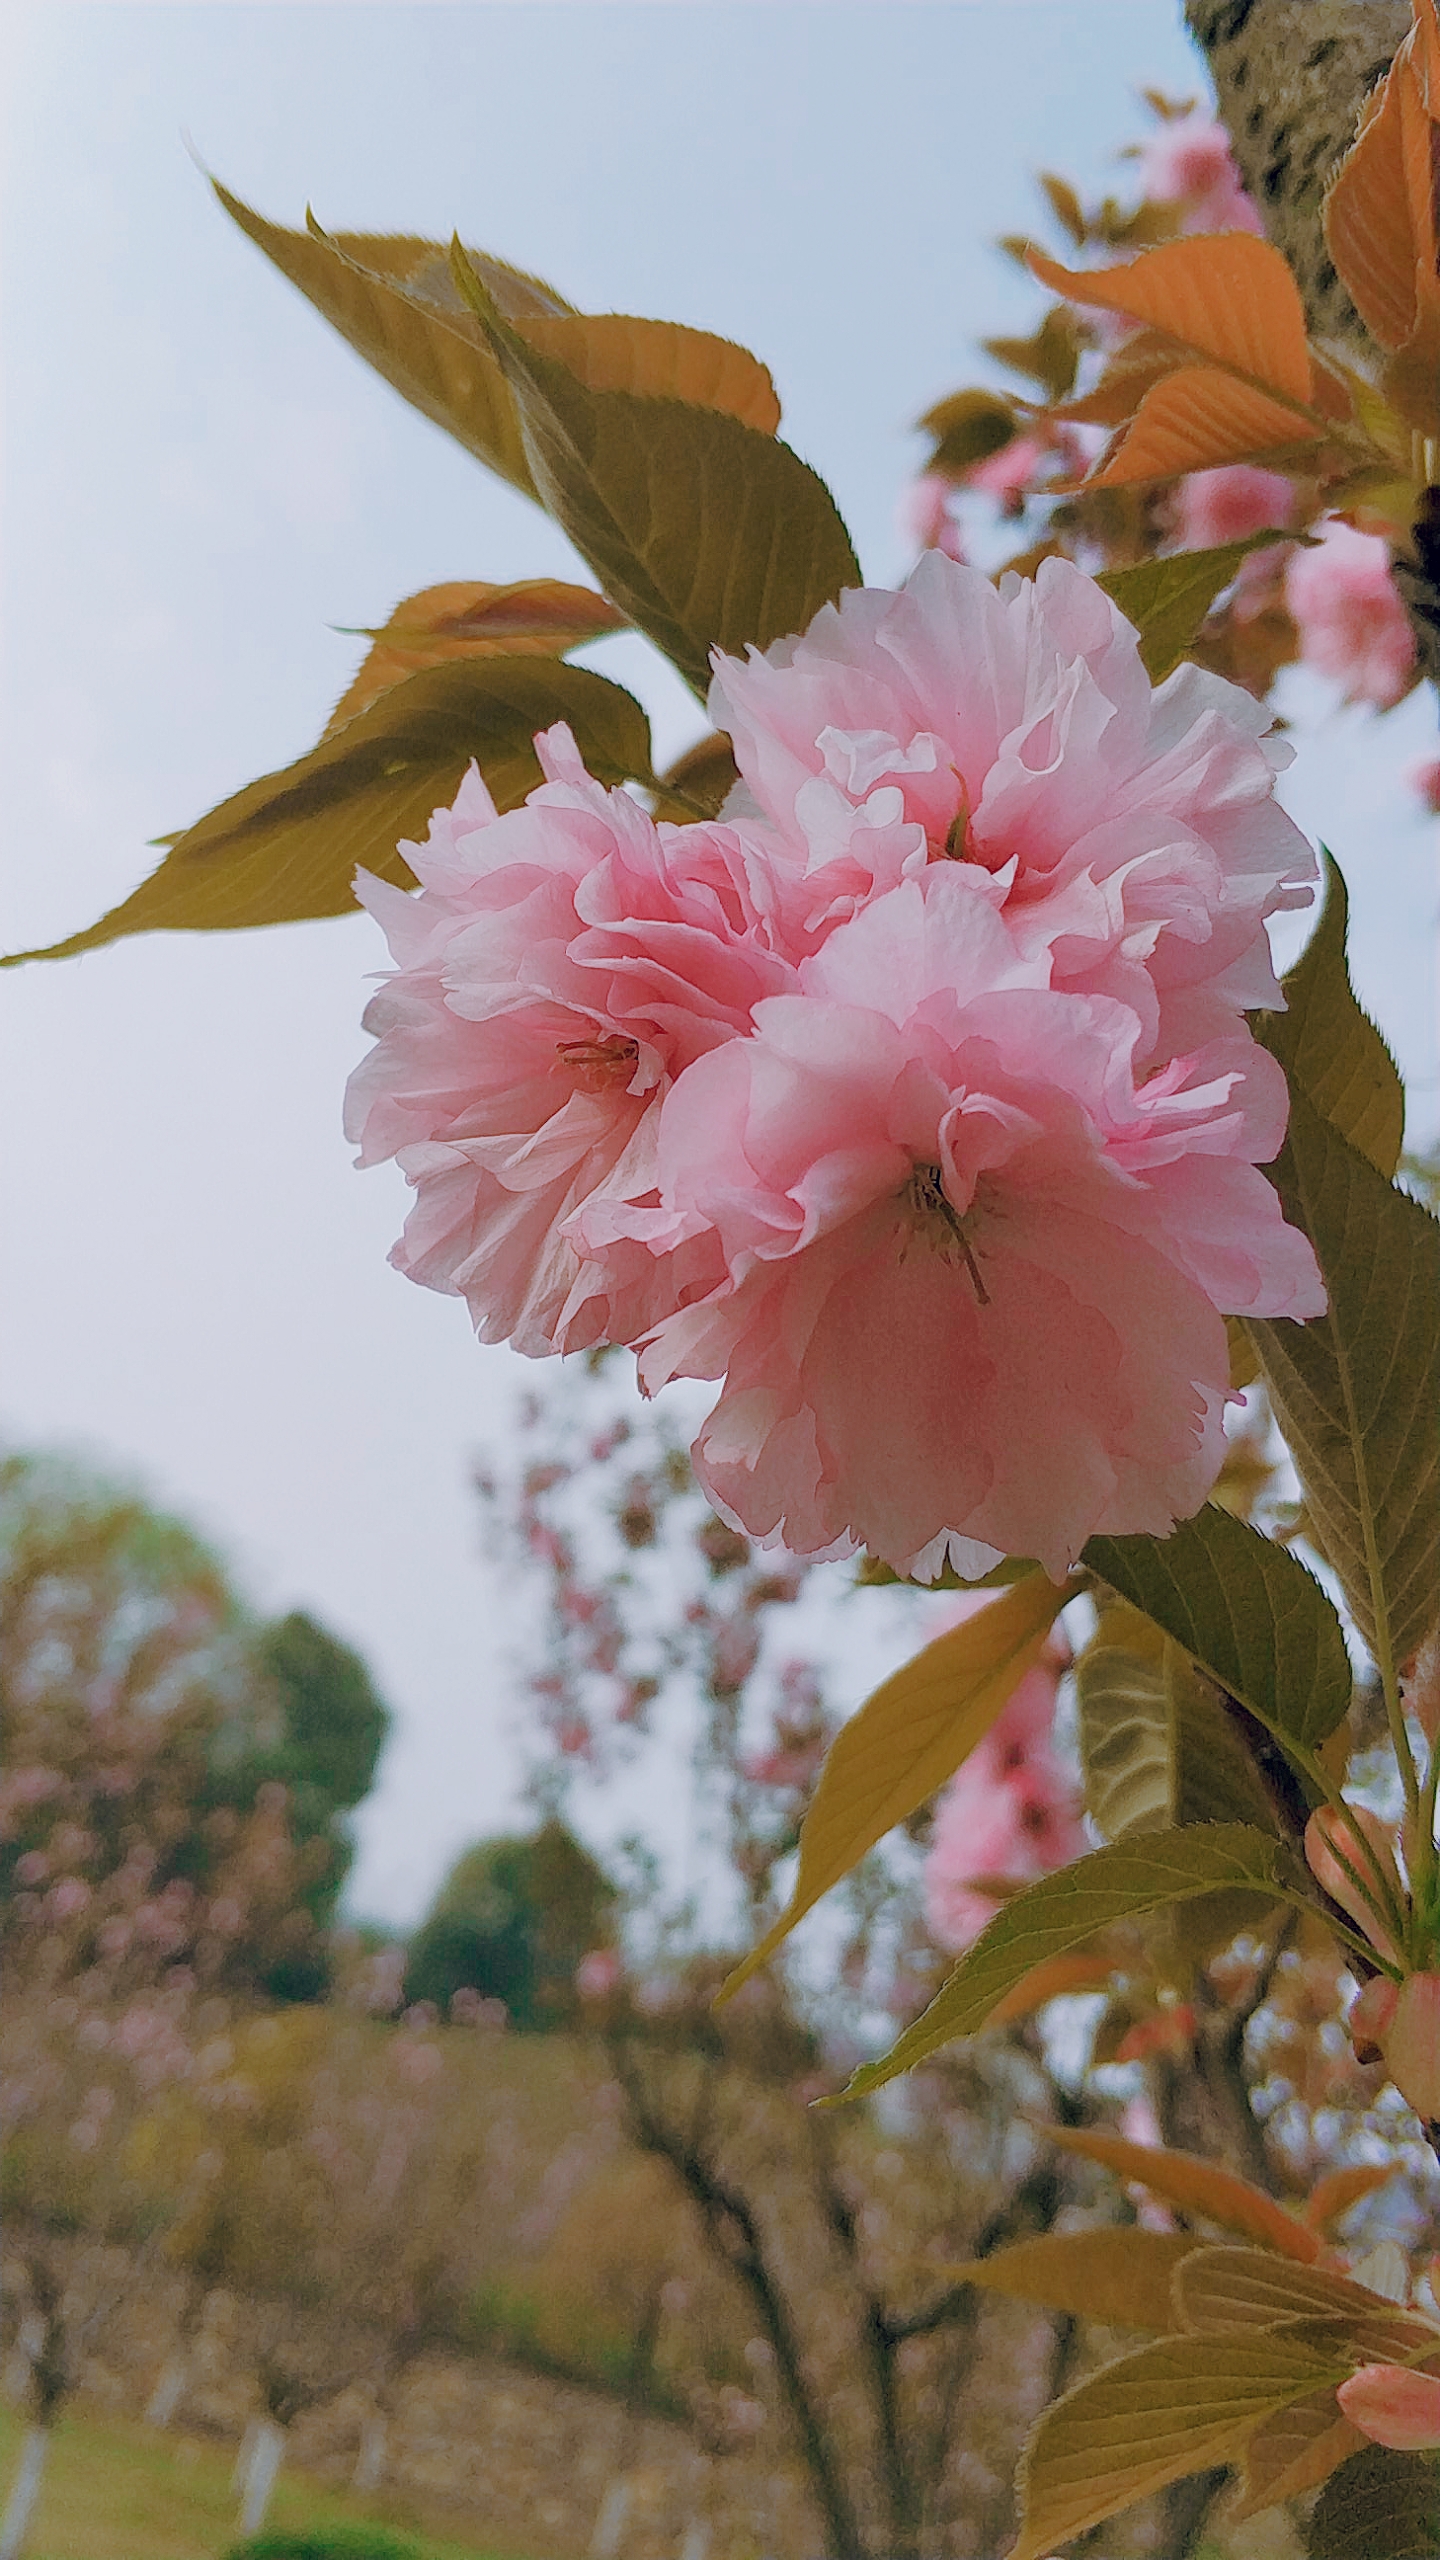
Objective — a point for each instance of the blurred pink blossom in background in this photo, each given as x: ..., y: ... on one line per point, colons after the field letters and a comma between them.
x: 1188, y: 162
x: 1353, y: 626
x: 1010, y: 1811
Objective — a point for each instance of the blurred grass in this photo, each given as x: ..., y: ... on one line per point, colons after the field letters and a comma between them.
x: 115, y: 2489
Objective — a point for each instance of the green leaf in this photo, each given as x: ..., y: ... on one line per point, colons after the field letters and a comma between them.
x: 1330, y: 1049
x: 1357, y: 1392
x: 1168, y: 600
x: 394, y: 301
x: 1122, y: 1882
x: 1156, y: 1743
x: 708, y: 534
x: 287, y: 846
x: 1245, y: 1610
x: 1378, y: 2504
x: 908, y: 1738
x: 1122, y: 2277
x: 1156, y: 2416
x: 699, y: 782
x: 967, y: 428
x: 1124, y: 1727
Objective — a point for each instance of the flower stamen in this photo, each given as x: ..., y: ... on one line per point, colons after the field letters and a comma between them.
x: 598, y: 1066
x: 926, y: 1201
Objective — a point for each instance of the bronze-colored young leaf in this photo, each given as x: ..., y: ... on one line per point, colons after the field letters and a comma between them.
x: 1336, y: 2194
x: 288, y: 846
x: 1293, y: 2451
x: 707, y: 533
x: 1378, y: 2506
x: 1167, y: 600
x: 1123, y: 1882
x: 661, y: 360
x: 1122, y: 2277
x: 1060, y: 1978
x: 537, y: 618
x: 1357, y: 1392
x: 1330, y: 1049
x: 1246, y: 1610
x: 908, y: 1738
x: 1182, y: 2405
x: 1227, y: 295
x: 1223, y: 2288
x: 393, y: 301
x: 1195, y: 2186
x: 1197, y: 419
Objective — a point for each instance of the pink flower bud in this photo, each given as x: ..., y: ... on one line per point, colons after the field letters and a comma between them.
x: 1372, y: 2017
x: 1394, y: 2407
x: 1335, y: 1843
x: 1412, y: 2045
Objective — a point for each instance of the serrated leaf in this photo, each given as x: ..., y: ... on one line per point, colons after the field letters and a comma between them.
x: 1155, y: 1741
x: 1221, y: 2289
x: 1293, y: 2451
x: 1123, y: 1882
x: 536, y: 618
x: 708, y: 534
x: 1168, y: 600
x: 287, y: 847
x: 1246, y: 1610
x: 1378, y: 2506
x: 1155, y: 2416
x: 1377, y: 209
x: 1227, y: 295
x: 393, y: 301
x: 1197, y: 419
x: 908, y: 1738
x: 1357, y: 1392
x: 1194, y: 2186
x: 1122, y: 2277
x: 1124, y: 1736
x: 1330, y: 1050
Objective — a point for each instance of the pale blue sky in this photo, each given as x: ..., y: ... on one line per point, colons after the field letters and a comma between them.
x: 200, y: 481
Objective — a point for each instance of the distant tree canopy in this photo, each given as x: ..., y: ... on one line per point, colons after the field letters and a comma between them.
x: 176, y: 1776
x: 512, y: 1921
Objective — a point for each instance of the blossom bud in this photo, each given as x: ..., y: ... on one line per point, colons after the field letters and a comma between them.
x: 1412, y: 2044
x: 1392, y: 2406
x: 1372, y: 2017
x: 1335, y: 1842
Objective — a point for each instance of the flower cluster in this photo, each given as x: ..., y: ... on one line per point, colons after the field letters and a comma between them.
x: 913, y: 1098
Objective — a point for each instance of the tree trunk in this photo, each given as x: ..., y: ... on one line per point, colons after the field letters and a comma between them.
x: 24, y: 2490
x: 263, y: 2473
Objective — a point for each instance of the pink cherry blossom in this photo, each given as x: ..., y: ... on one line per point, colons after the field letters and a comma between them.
x: 1130, y: 834
x: 1353, y: 626
x: 1009, y: 1813
x: 1425, y: 780
x: 1394, y: 2406
x: 559, y: 967
x: 925, y: 517
x: 1211, y: 507
x: 1189, y: 162
x: 976, y: 1267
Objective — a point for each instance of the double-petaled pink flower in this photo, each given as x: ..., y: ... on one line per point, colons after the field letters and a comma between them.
x: 917, y: 1104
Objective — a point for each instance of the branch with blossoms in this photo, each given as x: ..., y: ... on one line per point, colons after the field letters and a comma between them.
x: 909, y: 1063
